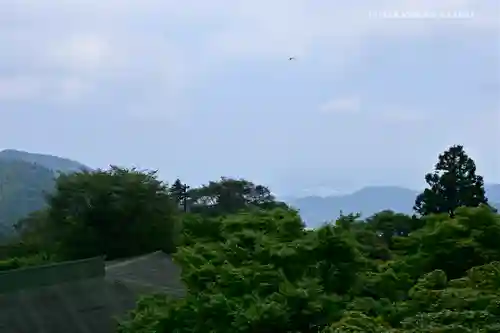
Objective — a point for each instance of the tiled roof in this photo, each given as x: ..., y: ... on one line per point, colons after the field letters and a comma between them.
x: 46, y: 275
x: 155, y: 272
x: 81, y: 296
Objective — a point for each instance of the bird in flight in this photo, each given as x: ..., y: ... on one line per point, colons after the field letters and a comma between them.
x: 292, y: 58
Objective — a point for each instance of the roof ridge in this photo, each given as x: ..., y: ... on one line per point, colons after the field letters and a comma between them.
x: 51, y: 274
x: 134, y: 260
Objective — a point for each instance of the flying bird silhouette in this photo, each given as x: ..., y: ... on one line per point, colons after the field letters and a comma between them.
x: 292, y: 58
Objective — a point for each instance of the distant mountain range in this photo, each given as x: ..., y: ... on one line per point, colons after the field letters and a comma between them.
x: 25, y: 177
x: 316, y: 210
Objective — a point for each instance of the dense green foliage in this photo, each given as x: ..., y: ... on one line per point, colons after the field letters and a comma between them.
x: 24, y: 261
x: 250, y: 265
x: 124, y: 212
x: 228, y: 196
x: 453, y: 184
x: 115, y: 213
x: 260, y: 271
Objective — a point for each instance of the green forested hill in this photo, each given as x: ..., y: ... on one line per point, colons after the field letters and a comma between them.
x: 48, y: 161
x: 24, y: 177
x: 22, y: 185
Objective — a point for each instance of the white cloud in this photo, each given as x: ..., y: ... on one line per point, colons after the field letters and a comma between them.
x: 343, y: 105
x: 71, y: 90
x: 19, y: 88
x: 82, y: 53
x: 333, y: 29
x: 42, y: 88
x: 352, y: 105
x: 403, y: 115
x: 177, y: 41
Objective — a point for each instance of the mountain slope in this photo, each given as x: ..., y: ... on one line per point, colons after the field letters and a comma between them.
x: 24, y: 178
x: 22, y: 185
x: 48, y: 161
x: 316, y: 210
x: 367, y: 201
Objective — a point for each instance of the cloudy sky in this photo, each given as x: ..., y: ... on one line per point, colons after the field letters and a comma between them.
x: 200, y: 89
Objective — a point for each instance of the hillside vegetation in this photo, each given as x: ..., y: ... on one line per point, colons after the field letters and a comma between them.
x: 250, y: 265
x: 25, y: 178
x: 22, y: 186
x: 55, y: 163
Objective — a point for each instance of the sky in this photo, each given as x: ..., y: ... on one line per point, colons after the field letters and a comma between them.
x: 204, y: 89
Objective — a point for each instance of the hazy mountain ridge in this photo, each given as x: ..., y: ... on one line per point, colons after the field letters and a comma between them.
x: 51, y: 162
x: 24, y: 177
x: 369, y: 200
x: 24, y: 180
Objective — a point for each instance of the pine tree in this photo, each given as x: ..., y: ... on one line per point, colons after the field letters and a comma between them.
x: 452, y: 184
x: 178, y: 191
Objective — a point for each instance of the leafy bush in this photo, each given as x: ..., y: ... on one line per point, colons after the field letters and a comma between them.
x: 20, y: 262
x: 260, y: 271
